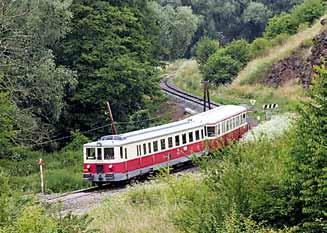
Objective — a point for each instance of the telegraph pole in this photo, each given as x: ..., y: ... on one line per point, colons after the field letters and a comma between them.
x: 111, y: 119
x: 206, y: 95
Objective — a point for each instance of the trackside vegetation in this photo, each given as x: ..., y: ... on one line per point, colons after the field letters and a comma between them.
x: 61, y: 60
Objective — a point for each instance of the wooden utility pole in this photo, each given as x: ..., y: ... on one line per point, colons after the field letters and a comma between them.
x: 111, y: 119
x: 206, y: 96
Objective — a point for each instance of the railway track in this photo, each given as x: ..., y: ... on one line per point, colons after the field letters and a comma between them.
x: 171, y: 89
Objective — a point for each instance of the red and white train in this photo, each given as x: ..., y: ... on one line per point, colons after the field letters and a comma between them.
x: 121, y: 157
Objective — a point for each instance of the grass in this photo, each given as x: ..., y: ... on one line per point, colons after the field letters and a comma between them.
x: 148, y: 207
x: 62, y: 170
x: 188, y: 78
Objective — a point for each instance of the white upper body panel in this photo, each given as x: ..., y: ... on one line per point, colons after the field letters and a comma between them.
x: 212, y: 116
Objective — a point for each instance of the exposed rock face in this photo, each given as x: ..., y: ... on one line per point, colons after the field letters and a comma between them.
x: 298, y: 68
x: 285, y: 70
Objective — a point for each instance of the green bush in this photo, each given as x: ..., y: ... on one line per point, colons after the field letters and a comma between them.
x: 221, y: 69
x: 245, y: 184
x: 204, y: 49
x: 239, y: 50
x: 288, y: 23
x: 308, y: 11
x: 279, y: 24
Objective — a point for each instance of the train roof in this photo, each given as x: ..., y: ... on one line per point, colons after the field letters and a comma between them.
x: 212, y: 116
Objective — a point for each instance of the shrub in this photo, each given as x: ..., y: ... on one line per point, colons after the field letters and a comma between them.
x: 239, y: 50
x: 283, y: 23
x: 259, y: 47
x: 245, y: 184
x: 309, y: 11
x: 204, y: 49
x: 221, y: 69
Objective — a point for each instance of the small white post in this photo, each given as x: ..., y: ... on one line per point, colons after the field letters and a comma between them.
x: 41, y: 163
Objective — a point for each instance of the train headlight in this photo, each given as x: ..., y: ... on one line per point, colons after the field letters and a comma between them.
x: 110, y: 166
x: 88, y: 166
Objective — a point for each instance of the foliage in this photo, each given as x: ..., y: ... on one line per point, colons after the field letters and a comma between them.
x: 308, y: 185
x: 62, y: 170
x: 224, y: 65
x: 228, y: 20
x: 113, y: 56
x: 289, y: 22
x: 259, y: 47
x: 30, y: 76
x: 177, y: 28
x: 19, y: 214
x: 204, y: 49
x: 220, y: 69
x: 6, y: 123
x: 244, y: 184
x: 283, y: 23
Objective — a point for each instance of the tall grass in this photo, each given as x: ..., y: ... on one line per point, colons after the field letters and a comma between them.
x: 147, y: 208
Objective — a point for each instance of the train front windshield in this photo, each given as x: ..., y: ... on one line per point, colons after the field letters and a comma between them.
x: 99, y: 153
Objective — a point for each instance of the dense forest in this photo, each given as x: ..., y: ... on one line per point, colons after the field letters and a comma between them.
x: 62, y: 60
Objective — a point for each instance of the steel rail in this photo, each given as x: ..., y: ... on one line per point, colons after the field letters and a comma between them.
x: 167, y: 87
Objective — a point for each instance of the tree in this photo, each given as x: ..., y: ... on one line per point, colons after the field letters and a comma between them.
x: 255, y: 17
x: 309, y: 161
x: 112, y: 51
x: 220, y: 68
x: 6, y: 122
x: 204, y: 49
x: 30, y: 76
x: 239, y: 50
x: 177, y: 28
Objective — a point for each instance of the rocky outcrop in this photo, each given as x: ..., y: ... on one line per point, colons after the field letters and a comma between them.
x: 299, y: 68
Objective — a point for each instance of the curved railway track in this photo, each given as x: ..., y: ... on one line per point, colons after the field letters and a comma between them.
x: 171, y: 89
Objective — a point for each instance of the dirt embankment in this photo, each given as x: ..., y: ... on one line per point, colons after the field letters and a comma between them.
x: 299, y: 66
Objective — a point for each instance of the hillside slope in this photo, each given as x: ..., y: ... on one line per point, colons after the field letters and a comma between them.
x: 261, y: 78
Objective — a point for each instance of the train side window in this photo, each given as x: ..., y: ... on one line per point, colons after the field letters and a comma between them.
x: 211, y: 131
x: 163, y: 144
x: 149, y: 147
x: 197, y: 135
x: 155, y: 146
x: 121, y: 153
x: 90, y: 153
x: 184, y: 138
x: 190, y: 136
x: 144, y: 148
x: 243, y: 118
x: 125, y: 153
x: 218, y: 129
x: 177, y: 140
x: 227, y: 126
x: 170, y: 142
x: 224, y: 126
x: 108, y: 153
x: 99, y: 154
x: 202, y: 135
x: 237, y: 121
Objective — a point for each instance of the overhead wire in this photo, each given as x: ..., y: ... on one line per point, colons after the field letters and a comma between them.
x: 94, y: 129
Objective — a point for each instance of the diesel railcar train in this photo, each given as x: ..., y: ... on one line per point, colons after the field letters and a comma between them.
x: 121, y: 157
